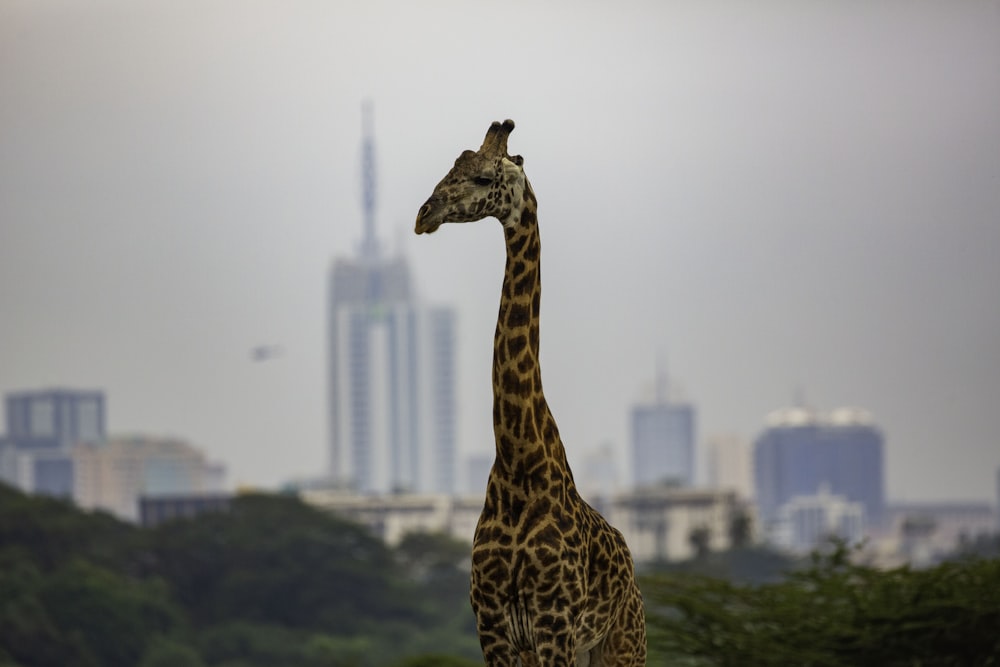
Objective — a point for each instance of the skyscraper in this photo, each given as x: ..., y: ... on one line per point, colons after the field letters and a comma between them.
x: 663, y: 434
x: 391, y: 377
x: 55, y: 417
x: 728, y: 464
x: 802, y: 451
x: 42, y: 426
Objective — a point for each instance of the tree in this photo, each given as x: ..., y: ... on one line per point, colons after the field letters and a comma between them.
x: 273, y: 559
x: 423, y: 553
x: 114, y: 617
x: 740, y: 530
x: 700, y: 539
x: 434, y: 660
x: 271, y: 582
x: 53, y: 531
x: 163, y: 652
x: 833, y: 613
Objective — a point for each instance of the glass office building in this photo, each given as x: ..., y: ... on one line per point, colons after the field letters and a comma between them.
x: 802, y: 451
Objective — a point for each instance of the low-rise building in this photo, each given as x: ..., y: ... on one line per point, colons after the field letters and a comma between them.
x: 112, y: 476
x: 671, y: 523
x: 154, y: 510
x: 392, y: 516
x: 806, y: 522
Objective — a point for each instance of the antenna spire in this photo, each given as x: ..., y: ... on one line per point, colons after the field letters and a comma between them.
x: 799, y: 397
x: 661, y: 381
x: 369, y: 242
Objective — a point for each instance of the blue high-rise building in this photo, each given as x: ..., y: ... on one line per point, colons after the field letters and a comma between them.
x: 42, y: 426
x: 663, y: 439
x: 55, y: 417
x: 802, y: 451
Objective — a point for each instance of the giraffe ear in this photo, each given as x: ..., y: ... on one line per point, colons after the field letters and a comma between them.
x: 495, y: 142
x: 518, y: 160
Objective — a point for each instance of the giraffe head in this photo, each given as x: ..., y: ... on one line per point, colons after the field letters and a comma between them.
x: 483, y: 183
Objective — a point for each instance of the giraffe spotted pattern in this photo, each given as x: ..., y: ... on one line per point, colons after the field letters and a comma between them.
x: 552, y: 582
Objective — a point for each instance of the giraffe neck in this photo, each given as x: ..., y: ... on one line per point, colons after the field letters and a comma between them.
x: 527, y: 439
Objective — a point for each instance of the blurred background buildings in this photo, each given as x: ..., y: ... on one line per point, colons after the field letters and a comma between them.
x: 394, y: 461
x: 391, y: 377
x: 815, y: 475
x: 663, y: 440
x: 56, y: 445
x: 808, y: 464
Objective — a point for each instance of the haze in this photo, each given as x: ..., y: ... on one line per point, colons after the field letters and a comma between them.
x: 769, y: 198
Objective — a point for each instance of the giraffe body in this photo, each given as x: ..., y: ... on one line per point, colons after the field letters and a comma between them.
x: 552, y: 582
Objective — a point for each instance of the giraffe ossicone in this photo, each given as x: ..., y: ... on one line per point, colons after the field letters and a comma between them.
x: 553, y: 583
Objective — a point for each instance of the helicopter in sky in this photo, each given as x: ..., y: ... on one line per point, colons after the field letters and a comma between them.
x: 265, y: 352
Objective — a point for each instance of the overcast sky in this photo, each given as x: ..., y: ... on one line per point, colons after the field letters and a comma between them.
x: 767, y: 197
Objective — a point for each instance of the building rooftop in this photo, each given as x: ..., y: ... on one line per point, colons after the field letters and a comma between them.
x: 797, y: 416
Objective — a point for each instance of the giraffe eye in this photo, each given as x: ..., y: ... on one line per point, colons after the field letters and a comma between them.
x: 482, y: 180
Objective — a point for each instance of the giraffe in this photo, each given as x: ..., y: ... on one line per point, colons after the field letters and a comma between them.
x: 552, y: 582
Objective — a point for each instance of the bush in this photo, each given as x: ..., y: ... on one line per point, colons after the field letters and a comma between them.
x: 832, y: 614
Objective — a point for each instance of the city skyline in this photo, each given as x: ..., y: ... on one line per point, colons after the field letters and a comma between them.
x: 771, y: 197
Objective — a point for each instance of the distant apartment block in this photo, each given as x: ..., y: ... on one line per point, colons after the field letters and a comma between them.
x: 41, y: 428
x: 663, y: 444
x: 390, y: 517
x: 62, y: 417
x: 47, y: 472
x: 805, y: 523
x: 659, y: 522
x: 114, y: 476
x: 729, y: 465
x: 929, y: 531
x: 154, y: 510
x: 801, y: 451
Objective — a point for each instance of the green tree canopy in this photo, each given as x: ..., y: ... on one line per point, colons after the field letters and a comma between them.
x: 274, y: 559
x: 833, y: 613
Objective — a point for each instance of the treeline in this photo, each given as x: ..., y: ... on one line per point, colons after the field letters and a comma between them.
x: 833, y: 612
x: 277, y: 583
x: 273, y: 582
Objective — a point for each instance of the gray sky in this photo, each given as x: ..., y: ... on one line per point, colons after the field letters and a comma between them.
x: 765, y: 195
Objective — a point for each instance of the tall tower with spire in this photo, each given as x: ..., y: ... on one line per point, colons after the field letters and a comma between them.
x: 390, y: 365
x: 369, y: 242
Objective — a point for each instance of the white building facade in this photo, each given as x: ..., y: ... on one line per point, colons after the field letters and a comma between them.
x: 658, y: 522
x: 806, y: 522
x: 392, y: 396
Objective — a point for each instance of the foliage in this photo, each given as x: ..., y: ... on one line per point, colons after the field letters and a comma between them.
x: 272, y: 582
x: 437, y: 660
x: 52, y: 531
x: 79, y: 614
x: 162, y: 652
x: 833, y: 613
x: 273, y: 559
x: 749, y: 565
x: 441, y: 564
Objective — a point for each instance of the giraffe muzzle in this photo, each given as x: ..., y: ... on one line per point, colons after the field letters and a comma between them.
x: 425, y: 222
